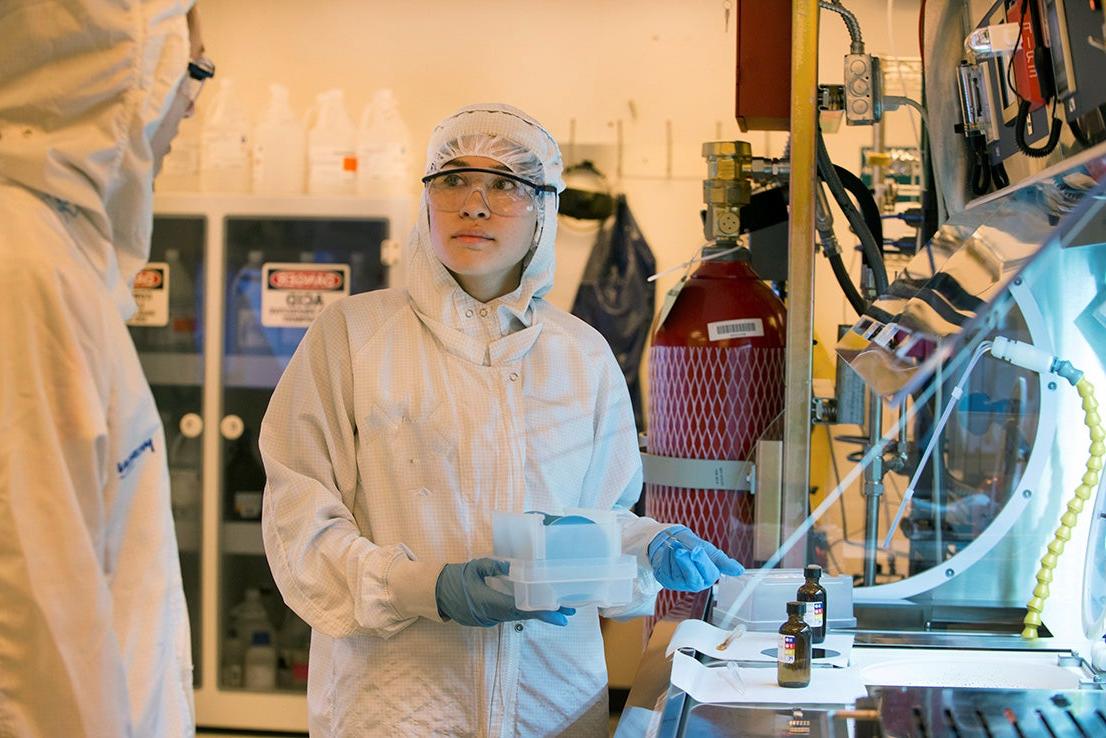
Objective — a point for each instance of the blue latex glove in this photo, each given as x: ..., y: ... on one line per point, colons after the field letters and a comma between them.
x: 466, y: 599
x: 685, y: 562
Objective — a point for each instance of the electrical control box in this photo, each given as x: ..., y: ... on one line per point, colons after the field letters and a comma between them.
x: 763, y: 81
x: 989, y: 88
x: 1031, y: 67
x: 862, y: 90
x: 1077, y: 34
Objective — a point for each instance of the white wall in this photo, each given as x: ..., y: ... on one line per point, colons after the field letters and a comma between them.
x: 646, y: 63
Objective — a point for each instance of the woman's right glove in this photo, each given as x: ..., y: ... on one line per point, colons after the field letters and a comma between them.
x: 466, y: 599
x: 686, y: 563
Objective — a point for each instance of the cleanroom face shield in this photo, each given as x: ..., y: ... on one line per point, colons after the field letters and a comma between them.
x: 504, y: 193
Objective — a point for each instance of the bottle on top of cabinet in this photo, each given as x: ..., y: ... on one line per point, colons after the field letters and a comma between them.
x: 383, y: 149
x: 225, y: 150
x: 180, y: 171
x: 331, y: 147
x: 279, y: 147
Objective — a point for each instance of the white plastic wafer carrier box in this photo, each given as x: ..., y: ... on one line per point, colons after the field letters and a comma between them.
x: 573, y: 559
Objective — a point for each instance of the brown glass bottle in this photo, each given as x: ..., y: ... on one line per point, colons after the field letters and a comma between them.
x: 814, y: 595
x: 793, y: 649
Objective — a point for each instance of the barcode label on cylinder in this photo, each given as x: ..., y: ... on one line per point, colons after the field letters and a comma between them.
x: 744, y: 328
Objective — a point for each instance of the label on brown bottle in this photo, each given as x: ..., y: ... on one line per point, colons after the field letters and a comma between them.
x: 786, y: 649
x: 814, y: 614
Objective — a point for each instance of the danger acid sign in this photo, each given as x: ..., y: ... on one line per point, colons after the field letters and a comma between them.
x: 151, y: 294
x: 293, y: 294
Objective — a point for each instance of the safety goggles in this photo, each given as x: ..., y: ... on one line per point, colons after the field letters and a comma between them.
x: 199, y: 71
x: 504, y: 193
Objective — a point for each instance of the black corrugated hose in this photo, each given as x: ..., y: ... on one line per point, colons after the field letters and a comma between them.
x: 871, y: 248
x: 869, y: 209
x: 847, y: 286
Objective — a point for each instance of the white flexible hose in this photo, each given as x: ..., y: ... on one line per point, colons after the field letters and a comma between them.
x: 934, y: 436
x: 697, y: 258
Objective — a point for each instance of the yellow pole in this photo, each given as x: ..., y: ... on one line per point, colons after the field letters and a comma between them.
x: 800, y: 273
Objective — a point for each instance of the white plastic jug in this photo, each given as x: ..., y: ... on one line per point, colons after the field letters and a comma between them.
x: 180, y: 172
x: 260, y: 663
x: 185, y: 485
x: 383, y: 149
x: 250, y: 617
x: 245, y: 334
x: 331, y: 148
x: 279, y: 147
x: 181, y: 331
x: 225, y: 151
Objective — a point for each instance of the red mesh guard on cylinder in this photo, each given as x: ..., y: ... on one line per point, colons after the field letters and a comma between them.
x: 710, y: 403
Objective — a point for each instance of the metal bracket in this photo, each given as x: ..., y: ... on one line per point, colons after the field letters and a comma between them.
x: 831, y: 98
x: 973, y: 113
x: 823, y: 410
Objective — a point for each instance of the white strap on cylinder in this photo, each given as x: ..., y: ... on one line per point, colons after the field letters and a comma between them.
x: 672, y: 471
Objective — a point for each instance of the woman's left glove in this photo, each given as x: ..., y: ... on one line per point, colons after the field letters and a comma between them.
x: 683, y: 561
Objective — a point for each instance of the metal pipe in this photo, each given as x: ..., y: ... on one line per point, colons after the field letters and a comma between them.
x: 879, y: 145
x: 873, y: 489
x: 857, y: 45
x: 800, y: 274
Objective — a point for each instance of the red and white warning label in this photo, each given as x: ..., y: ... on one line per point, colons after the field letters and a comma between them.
x: 151, y: 294
x: 293, y: 295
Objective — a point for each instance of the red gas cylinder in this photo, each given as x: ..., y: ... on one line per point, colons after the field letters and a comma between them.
x: 716, y: 384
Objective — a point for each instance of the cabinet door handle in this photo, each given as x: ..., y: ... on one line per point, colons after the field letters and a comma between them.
x: 191, y: 425
x: 231, y: 427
